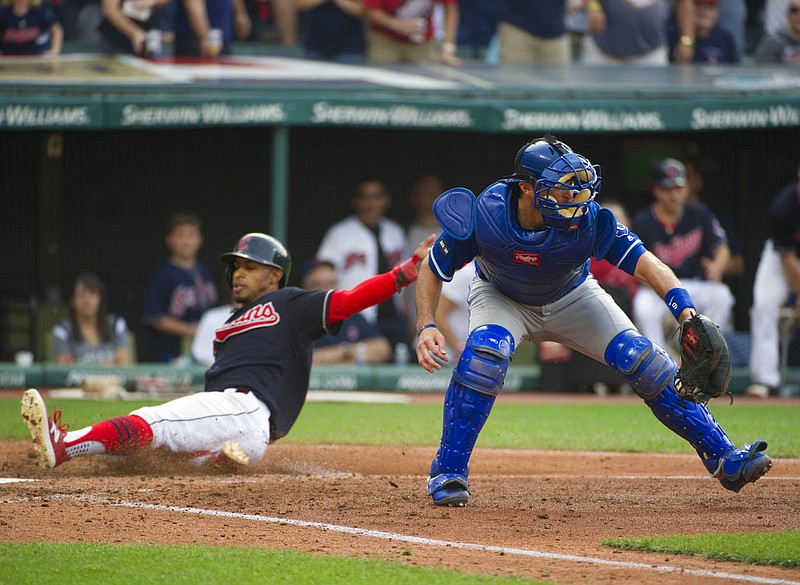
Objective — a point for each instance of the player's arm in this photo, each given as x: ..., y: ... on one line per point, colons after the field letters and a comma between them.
x: 661, y: 278
x: 375, y: 290
x: 430, y: 340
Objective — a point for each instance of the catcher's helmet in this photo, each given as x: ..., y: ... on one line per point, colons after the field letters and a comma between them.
x: 569, y: 172
x: 535, y: 156
x: 259, y: 248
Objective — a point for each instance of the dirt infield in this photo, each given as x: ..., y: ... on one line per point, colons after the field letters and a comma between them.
x: 534, y: 514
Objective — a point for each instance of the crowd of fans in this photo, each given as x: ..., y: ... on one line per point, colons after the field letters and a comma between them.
x: 558, y: 32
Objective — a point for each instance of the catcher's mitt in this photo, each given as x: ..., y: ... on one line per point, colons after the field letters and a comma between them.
x: 705, y: 371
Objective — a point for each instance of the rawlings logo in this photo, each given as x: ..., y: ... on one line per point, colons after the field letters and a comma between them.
x: 526, y: 258
x: 443, y: 247
x: 259, y: 316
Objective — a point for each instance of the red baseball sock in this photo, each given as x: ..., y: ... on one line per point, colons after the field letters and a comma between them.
x: 113, y: 436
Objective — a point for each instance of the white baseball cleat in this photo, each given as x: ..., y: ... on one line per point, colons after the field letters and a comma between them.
x: 48, y: 434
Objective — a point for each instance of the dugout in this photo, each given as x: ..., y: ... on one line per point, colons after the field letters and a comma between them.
x: 97, y: 152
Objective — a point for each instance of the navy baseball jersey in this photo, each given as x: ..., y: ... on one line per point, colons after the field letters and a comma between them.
x: 532, y: 267
x: 265, y: 347
x: 681, y: 245
x: 179, y: 293
x: 784, y: 216
x: 26, y: 35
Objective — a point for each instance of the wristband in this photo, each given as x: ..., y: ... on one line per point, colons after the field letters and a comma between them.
x: 407, y: 272
x: 449, y: 48
x: 424, y: 327
x: 686, y: 41
x: 677, y: 300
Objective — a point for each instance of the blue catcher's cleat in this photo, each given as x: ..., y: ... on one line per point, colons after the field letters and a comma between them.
x: 448, y: 489
x: 743, y: 466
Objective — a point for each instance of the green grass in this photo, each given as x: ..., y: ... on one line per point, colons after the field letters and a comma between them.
x: 56, y: 563
x: 568, y: 427
x: 769, y: 548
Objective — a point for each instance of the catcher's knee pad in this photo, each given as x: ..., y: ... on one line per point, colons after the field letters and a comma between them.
x: 484, y: 362
x: 647, y: 367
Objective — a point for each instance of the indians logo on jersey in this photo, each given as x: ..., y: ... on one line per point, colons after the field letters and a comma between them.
x: 259, y: 316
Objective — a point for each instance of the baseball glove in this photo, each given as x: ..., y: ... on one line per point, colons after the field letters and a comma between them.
x: 705, y: 371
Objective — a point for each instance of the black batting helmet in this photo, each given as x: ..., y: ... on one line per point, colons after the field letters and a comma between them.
x: 259, y: 248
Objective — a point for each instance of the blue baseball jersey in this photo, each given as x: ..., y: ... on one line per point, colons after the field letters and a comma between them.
x: 176, y: 292
x: 265, y: 347
x: 681, y: 245
x: 532, y: 267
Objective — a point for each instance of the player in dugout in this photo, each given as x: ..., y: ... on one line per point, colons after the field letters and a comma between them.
x: 531, y: 236
x: 257, y: 385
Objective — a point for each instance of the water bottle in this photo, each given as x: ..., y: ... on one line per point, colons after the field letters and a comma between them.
x: 401, y: 354
x: 152, y: 44
x: 361, y: 354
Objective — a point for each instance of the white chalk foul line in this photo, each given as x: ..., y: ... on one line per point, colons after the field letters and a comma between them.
x: 436, y: 542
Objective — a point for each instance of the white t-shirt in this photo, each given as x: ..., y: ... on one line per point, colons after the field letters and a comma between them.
x: 203, y: 343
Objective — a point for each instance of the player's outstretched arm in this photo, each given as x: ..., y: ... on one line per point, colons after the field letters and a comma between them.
x: 377, y: 289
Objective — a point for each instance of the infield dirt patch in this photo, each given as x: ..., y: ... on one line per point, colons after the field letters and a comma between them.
x: 551, y: 502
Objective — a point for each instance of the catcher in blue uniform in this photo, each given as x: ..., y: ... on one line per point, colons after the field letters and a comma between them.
x: 531, y: 236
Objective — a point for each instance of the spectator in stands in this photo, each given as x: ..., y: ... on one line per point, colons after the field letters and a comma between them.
x: 28, y: 28
x: 179, y: 292
x: 624, y: 32
x: 713, y: 45
x: 427, y: 187
x: 401, y: 31
x: 358, y: 341
x: 733, y: 18
x: 365, y: 244
x: 533, y: 32
x: 477, y: 25
x: 195, y: 19
x: 81, y: 20
x: 777, y: 280
x: 333, y: 30
x: 690, y: 240
x: 280, y: 15
x: 91, y: 335
x: 782, y: 46
x: 774, y: 15
x: 126, y: 22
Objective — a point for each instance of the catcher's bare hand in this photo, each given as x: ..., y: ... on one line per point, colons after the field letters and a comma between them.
x: 423, y: 248
x: 430, y: 344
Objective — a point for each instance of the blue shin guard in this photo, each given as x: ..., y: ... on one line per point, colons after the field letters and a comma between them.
x: 733, y: 467
x: 465, y: 412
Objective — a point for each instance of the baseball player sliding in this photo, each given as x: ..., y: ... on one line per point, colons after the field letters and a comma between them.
x: 258, y: 382
x: 531, y: 236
